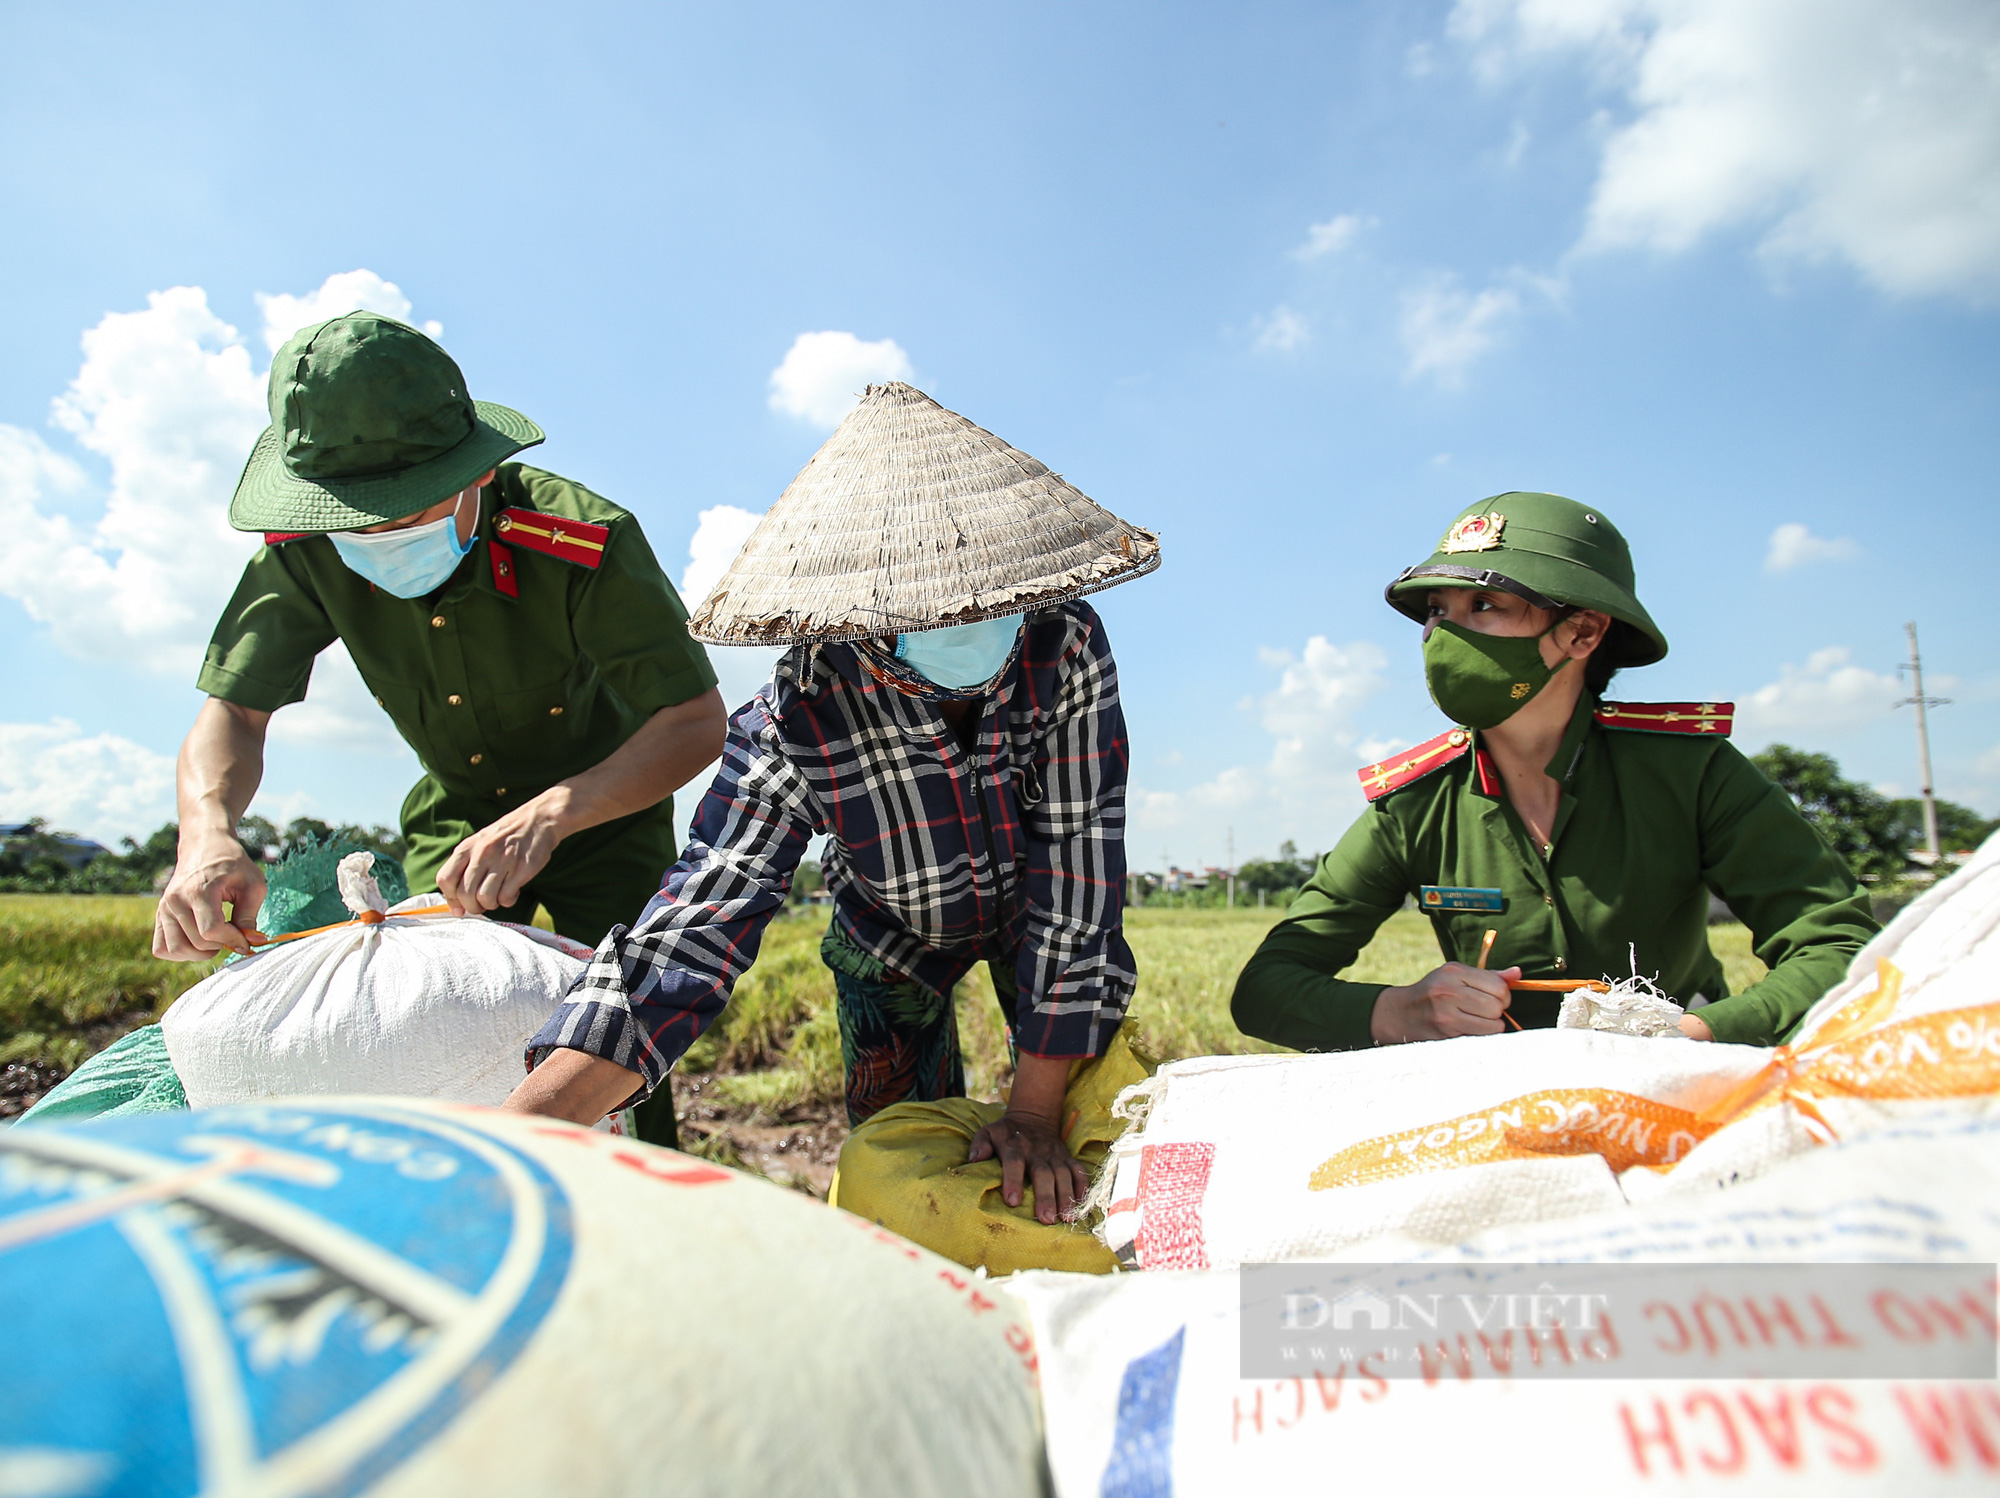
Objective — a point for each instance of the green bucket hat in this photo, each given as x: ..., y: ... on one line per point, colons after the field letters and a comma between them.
x: 1547, y: 549
x: 369, y: 422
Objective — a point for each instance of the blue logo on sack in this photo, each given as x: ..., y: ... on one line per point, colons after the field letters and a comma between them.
x: 280, y: 1300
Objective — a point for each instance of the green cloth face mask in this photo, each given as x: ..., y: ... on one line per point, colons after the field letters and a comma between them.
x: 1483, y: 680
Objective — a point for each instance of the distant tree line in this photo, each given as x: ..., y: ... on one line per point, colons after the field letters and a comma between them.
x: 42, y: 860
x: 1278, y: 878
x: 1875, y: 833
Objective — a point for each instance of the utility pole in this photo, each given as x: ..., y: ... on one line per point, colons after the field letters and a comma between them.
x: 1923, y: 704
x: 1232, y: 868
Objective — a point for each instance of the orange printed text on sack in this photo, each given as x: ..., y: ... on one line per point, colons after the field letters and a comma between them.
x: 1624, y: 1128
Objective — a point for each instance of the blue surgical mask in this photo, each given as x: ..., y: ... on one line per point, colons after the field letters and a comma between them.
x: 408, y: 563
x: 961, y: 655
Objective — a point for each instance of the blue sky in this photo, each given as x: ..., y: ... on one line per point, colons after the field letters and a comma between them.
x: 1289, y: 284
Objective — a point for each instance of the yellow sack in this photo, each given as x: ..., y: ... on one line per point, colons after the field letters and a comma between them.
x: 905, y: 1169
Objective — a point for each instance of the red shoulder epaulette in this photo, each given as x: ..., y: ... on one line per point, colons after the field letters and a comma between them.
x: 1669, y: 717
x: 575, y: 541
x: 1391, y: 774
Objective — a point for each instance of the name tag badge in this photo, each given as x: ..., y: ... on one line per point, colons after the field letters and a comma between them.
x: 1459, y: 897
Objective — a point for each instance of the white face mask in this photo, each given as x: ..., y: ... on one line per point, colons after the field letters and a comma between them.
x: 410, y: 562
x: 962, y: 655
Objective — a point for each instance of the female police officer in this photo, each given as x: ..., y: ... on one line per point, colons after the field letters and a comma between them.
x: 1589, y: 834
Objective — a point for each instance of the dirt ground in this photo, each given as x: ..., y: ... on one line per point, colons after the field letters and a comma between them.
x: 22, y: 1084
x: 798, y: 1148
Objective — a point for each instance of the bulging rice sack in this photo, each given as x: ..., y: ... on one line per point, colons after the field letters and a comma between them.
x: 1143, y: 1395
x: 1942, y: 951
x: 412, y: 1003
x: 1913, y: 1031
x: 1251, y: 1158
x: 906, y: 1169
x: 420, y: 1300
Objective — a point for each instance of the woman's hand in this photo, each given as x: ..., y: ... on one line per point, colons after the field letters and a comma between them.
x: 1447, y: 1001
x: 1028, y: 1139
x: 1694, y: 1027
x: 1030, y: 1148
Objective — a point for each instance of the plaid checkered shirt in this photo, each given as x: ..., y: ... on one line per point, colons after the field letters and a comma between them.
x: 936, y: 858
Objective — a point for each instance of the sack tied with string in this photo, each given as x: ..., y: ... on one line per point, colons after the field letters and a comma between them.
x: 406, y: 1000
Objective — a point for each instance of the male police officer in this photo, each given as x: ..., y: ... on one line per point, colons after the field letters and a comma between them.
x: 515, y: 627
x: 1588, y: 834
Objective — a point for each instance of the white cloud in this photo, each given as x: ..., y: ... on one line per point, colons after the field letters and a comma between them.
x: 1843, y: 129
x: 823, y: 374
x: 347, y: 291
x: 1445, y: 327
x: 741, y: 670
x: 339, y: 713
x: 1829, y: 694
x: 102, y: 786
x: 719, y: 534
x: 168, y: 398
x: 1331, y: 237
x: 1306, y: 791
x: 1282, y: 331
x: 1794, y: 545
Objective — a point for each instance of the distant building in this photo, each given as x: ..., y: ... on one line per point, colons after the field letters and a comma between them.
x: 72, y: 850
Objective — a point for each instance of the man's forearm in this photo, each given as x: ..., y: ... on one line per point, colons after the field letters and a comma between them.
x: 666, y: 752
x: 221, y: 764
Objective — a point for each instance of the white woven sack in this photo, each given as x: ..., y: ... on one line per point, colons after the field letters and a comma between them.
x: 386, y: 1298
x: 1946, y: 944
x: 1944, y: 949
x: 416, y: 1006
x: 1141, y: 1391
x: 1220, y: 1170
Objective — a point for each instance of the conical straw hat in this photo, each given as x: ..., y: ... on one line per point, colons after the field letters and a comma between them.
x: 909, y: 518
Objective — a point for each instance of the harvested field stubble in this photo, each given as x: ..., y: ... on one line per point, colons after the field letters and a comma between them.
x: 762, y: 1089
x: 76, y: 972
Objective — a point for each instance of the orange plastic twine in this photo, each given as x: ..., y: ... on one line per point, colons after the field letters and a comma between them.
x: 365, y: 918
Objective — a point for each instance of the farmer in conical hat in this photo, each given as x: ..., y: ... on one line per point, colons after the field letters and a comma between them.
x: 1588, y: 834
x: 948, y: 717
x: 514, y: 626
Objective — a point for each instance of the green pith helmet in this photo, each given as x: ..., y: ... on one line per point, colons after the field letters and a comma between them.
x: 370, y: 422
x: 1544, y: 548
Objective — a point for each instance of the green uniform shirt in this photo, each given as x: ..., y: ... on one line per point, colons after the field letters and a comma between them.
x: 500, y: 697
x: 1648, y: 825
